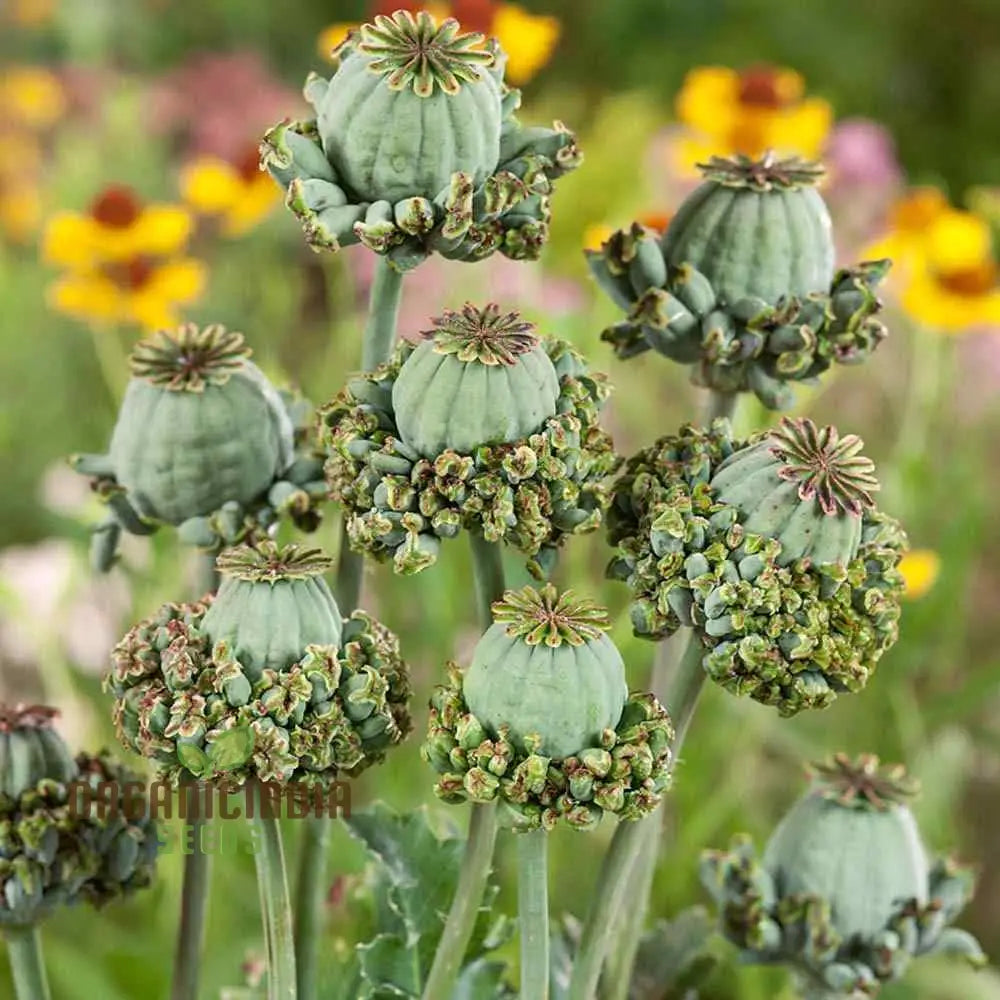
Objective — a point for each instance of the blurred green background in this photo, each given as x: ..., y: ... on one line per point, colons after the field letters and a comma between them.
x: 927, y: 71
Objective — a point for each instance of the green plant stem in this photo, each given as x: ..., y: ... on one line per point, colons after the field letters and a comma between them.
x: 206, y: 574
x: 487, y: 568
x: 721, y: 404
x: 681, y: 687
x: 311, y: 882
x: 310, y: 892
x: 477, y: 862
x: 194, y: 904
x: 533, y: 913
x: 376, y: 347
x: 24, y: 949
x: 275, y: 905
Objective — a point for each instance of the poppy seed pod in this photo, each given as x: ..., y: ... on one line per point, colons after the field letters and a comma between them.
x: 771, y: 549
x: 202, y: 441
x: 415, y: 149
x: 543, y: 723
x: 57, y: 847
x: 741, y: 286
x: 845, y: 893
x: 264, y: 680
x: 483, y: 426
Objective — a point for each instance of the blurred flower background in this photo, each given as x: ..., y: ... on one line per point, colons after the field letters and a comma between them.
x: 130, y: 199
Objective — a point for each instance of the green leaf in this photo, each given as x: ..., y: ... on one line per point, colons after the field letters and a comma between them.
x: 673, y: 957
x: 231, y: 749
x: 413, y: 881
x: 194, y: 759
x: 482, y: 980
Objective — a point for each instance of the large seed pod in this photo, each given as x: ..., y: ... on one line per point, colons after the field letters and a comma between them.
x: 547, y: 673
x: 478, y: 377
x: 803, y: 485
x: 853, y: 841
x: 755, y: 229
x: 31, y: 750
x: 411, y: 104
x: 200, y: 426
x: 845, y: 894
x: 271, y: 605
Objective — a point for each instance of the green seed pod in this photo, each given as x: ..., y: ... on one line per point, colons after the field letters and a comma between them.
x: 415, y: 149
x: 199, y: 425
x: 756, y: 229
x: 262, y: 682
x: 31, y: 750
x: 771, y: 549
x: 477, y: 378
x: 71, y: 829
x: 481, y: 426
x: 410, y: 104
x: 804, y: 486
x: 272, y: 604
x: 845, y: 893
x: 547, y: 672
x: 741, y: 285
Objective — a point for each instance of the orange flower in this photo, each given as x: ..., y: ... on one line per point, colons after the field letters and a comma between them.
x: 909, y: 221
x: 124, y: 262
x: 750, y: 111
x: 239, y: 194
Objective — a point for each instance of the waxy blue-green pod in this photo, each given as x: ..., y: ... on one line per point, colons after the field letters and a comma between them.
x: 478, y: 377
x: 272, y: 603
x: 755, y: 229
x: 31, y: 750
x: 200, y: 425
x: 803, y: 485
x: 547, y: 672
x: 411, y: 104
x: 845, y: 894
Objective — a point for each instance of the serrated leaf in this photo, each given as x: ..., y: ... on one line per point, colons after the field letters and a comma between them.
x: 673, y: 957
x: 388, y: 967
x: 194, y: 759
x: 231, y: 749
x: 413, y: 882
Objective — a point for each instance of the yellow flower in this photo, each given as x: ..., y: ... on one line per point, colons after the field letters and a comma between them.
x: 118, y: 227
x: 920, y: 569
x: 31, y: 96
x: 140, y: 291
x: 909, y: 220
x: 31, y: 13
x: 20, y: 209
x: 528, y: 39
x: 954, y: 282
x: 239, y: 194
x: 596, y: 234
x: 749, y: 112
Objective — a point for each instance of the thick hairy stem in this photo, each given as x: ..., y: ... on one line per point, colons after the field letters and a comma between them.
x: 194, y: 903
x: 476, y: 866
x: 487, y: 567
x: 679, y: 692
x: 275, y: 905
x: 24, y: 949
x: 311, y: 885
x: 533, y: 913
